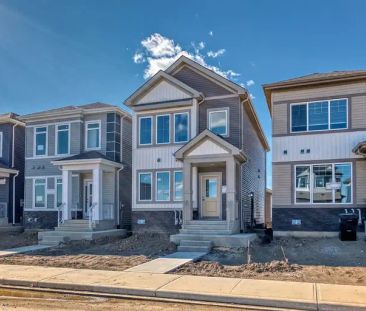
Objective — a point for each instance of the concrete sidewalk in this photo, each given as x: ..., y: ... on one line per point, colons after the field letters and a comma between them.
x: 23, y: 249
x: 295, y: 295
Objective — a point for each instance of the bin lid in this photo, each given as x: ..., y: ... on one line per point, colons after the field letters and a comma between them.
x: 348, y: 216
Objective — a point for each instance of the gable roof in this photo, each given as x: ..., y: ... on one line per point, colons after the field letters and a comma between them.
x: 75, y: 109
x: 183, y: 60
x: 86, y: 156
x: 312, y: 79
x: 236, y: 152
x: 161, y: 75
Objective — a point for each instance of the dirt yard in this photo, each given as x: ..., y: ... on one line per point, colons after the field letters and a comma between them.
x: 307, y: 260
x: 117, y: 254
x: 17, y: 239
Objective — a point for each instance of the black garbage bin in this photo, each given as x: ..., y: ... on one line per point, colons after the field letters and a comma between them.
x: 348, y: 227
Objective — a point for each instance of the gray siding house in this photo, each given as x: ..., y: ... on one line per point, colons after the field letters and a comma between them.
x: 78, y: 169
x: 199, y: 155
x: 319, y: 166
x: 11, y: 171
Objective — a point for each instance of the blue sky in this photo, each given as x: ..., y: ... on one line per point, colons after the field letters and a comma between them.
x: 56, y: 53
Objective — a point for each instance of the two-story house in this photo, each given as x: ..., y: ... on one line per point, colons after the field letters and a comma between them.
x: 11, y: 172
x: 319, y: 167
x: 78, y: 170
x: 199, y: 155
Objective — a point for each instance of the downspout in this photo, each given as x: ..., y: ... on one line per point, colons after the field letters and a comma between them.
x: 119, y: 170
x: 16, y: 175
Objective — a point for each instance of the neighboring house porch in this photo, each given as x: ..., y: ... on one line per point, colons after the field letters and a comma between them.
x: 87, y: 203
x: 211, y: 170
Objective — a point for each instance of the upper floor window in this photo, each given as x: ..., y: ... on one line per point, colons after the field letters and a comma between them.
x: 218, y: 122
x: 181, y: 127
x: 40, y: 141
x: 1, y: 144
x: 163, y: 129
x: 319, y: 116
x: 145, y: 131
x: 62, y: 139
x: 93, y: 135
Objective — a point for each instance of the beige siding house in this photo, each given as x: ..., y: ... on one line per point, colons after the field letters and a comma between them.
x: 318, y: 136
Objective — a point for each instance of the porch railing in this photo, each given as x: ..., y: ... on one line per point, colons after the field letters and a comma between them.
x: 90, y: 212
x: 60, y: 219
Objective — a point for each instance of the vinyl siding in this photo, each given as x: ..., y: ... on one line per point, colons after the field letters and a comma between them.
x: 234, y: 117
x: 6, y: 129
x: 282, y: 186
x: 253, y: 173
x: 358, y: 112
x: 313, y: 92
x: 322, y: 146
x: 361, y: 182
x: 200, y: 83
x: 280, y: 119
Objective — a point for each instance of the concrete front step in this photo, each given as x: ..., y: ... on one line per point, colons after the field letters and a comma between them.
x: 210, y: 231
x: 195, y: 243
x: 194, y: 246
x: 51, y: 240
x: 11, y: 228
x: 205, y: 227
x: 218, y: 240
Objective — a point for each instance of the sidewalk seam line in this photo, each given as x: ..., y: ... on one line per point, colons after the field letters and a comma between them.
x: 235, y: 286
x: 316, y: 296
x: 168, y: 283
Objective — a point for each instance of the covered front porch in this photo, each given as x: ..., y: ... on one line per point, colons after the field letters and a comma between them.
x: 211, y: 184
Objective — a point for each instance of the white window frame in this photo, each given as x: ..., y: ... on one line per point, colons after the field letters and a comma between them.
x: 56, y: 184
x: 156, y: 186
x: 34, y: 193
x: 1, y: 144
x: 35, y: 141
x: 226, y: 120
x: 99, y: 122
x: 151, y: 130
x: 188, y: 127
x: 56, y: 140
x: 174, y: 192
x: 311, y: 184
x: 139, y: 186
x: 307, y: 115
x: 156, y: 128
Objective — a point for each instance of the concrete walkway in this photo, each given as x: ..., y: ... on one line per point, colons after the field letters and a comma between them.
x: 295, y: 295
x: 23, y: 249
x: 167, y: 263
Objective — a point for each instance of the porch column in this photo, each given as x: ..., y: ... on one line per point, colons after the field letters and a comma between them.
x: 66, y: 194
x: 97, y: 193
x: 230, y: 192
x: 187, y: 188
x: 194, y: 188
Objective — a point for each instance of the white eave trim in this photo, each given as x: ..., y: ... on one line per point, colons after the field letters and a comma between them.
x: 8, y: 171
x: 88, y: 161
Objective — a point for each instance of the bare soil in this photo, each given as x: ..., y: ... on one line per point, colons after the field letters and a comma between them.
x: 105, y: 254
x: 304, y: 260
x: 17, y: 239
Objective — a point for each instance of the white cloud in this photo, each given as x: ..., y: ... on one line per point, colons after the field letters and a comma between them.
x: 216, y: 54
x: 250, y: 82
x: 160, y: 52
x: 251, y: 96
x: 138, y: 58
x: 211, y: 33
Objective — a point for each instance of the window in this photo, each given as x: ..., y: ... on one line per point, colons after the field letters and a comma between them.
x: 93, y: 135
x: 319, y: 116
x: 62, y: 139
x: 162, y: 186
x: 39, y: 193
x: 303, y: 184
x: 145, y: 182
x: 1, y: 144
x: 323, y: 183
x: 218, y: 122
x: 181, y: 125
x: 58, y: 192
x: 163, y: 129
x: 146, y: 131
x: 41, y: 141
x: 178, y: 186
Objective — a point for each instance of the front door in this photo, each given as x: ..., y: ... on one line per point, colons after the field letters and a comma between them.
x: 88, y: 197
x: 210, y: 195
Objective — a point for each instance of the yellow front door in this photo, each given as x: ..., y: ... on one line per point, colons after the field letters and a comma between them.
x: 210, y: 195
